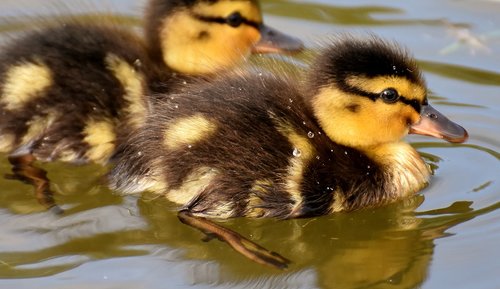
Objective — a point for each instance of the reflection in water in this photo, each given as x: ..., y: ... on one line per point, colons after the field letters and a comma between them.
x: 468, y: 74
x: 386, y: 247
x: 389, y: 247
x: 465, y: 37
x: 345, y: 15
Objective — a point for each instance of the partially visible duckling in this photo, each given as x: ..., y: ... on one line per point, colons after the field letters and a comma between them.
x: 251, y: 145
x: 70, y: 92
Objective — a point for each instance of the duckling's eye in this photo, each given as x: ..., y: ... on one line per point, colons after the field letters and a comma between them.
x: 389, y: 95
x: 235, y: 19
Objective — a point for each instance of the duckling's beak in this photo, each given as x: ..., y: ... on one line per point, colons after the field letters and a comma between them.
x: 433, y: 123
x: 273, y: 41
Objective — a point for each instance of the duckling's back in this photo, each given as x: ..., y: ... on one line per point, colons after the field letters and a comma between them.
x: 62, y: 89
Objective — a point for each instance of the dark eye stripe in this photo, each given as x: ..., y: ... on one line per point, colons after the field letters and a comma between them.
x: 415, y: 104
x: 222, y: 20
x: 411, y: 102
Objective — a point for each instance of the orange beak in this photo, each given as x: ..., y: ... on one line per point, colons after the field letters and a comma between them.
x: 273, y: 41
x: 433, y: 123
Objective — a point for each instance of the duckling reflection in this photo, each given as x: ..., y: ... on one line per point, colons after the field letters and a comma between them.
x: 69, y: 92
x: 390, y: 247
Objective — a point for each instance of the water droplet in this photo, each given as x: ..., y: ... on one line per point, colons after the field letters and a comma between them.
x: 368, y: 166
x: 260, y: 73
x: 184, y: 82
x: 190, y: 146
x: 176, y: 106
x: 319, y: 132
x: 394, y: 68
x: 137, y: 63
x: 139, y: 153
x: 290, y: 100
x: 345, y: 152
x: 310, y: 134
x: 368, y: 173
x: 296, y: 152
x: 317, y: 157
x: 304, y: 123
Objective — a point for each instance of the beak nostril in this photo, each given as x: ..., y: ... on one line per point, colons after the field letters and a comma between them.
x: 433, y: 123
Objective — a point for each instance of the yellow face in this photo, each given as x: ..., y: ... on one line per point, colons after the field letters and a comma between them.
x: 209, y: 37
x: 361, y: 121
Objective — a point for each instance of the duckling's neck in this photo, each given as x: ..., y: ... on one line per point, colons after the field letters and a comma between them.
x: 405, y: 172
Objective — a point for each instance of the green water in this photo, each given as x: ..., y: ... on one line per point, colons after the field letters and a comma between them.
x: 445, y: 237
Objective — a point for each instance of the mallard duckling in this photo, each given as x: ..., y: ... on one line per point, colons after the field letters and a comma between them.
x: 255, y: 145
x: 70, y: 92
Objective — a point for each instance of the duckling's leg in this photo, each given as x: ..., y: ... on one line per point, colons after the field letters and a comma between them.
x: 239, y: 243
x: 23, y: 169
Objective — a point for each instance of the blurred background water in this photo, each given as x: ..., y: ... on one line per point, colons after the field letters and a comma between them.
x: 445, y: 237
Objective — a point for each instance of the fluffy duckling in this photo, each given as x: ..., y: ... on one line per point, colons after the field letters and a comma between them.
x: 70, y: 92
x: 255, y: 145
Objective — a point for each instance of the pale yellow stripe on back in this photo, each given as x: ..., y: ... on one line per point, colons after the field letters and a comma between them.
x: 302, y: 153
x: 337, y: 204
x: 6, y: 142
x: 255, y: 204
x: 192, y: 185
x: 24, y: 83
x: 133, y: 84
x: 188, y: 131
x: 37, y: 126
x: 100, y: 135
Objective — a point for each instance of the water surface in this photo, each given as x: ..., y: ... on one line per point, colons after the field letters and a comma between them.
x: 445, y: 237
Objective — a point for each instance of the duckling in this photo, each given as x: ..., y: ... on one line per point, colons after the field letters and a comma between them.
x: 70, y: 92
x: 257, y: 145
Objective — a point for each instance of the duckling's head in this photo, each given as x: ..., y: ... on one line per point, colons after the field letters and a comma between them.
x: 368, y: 92
x: 205, y: 36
